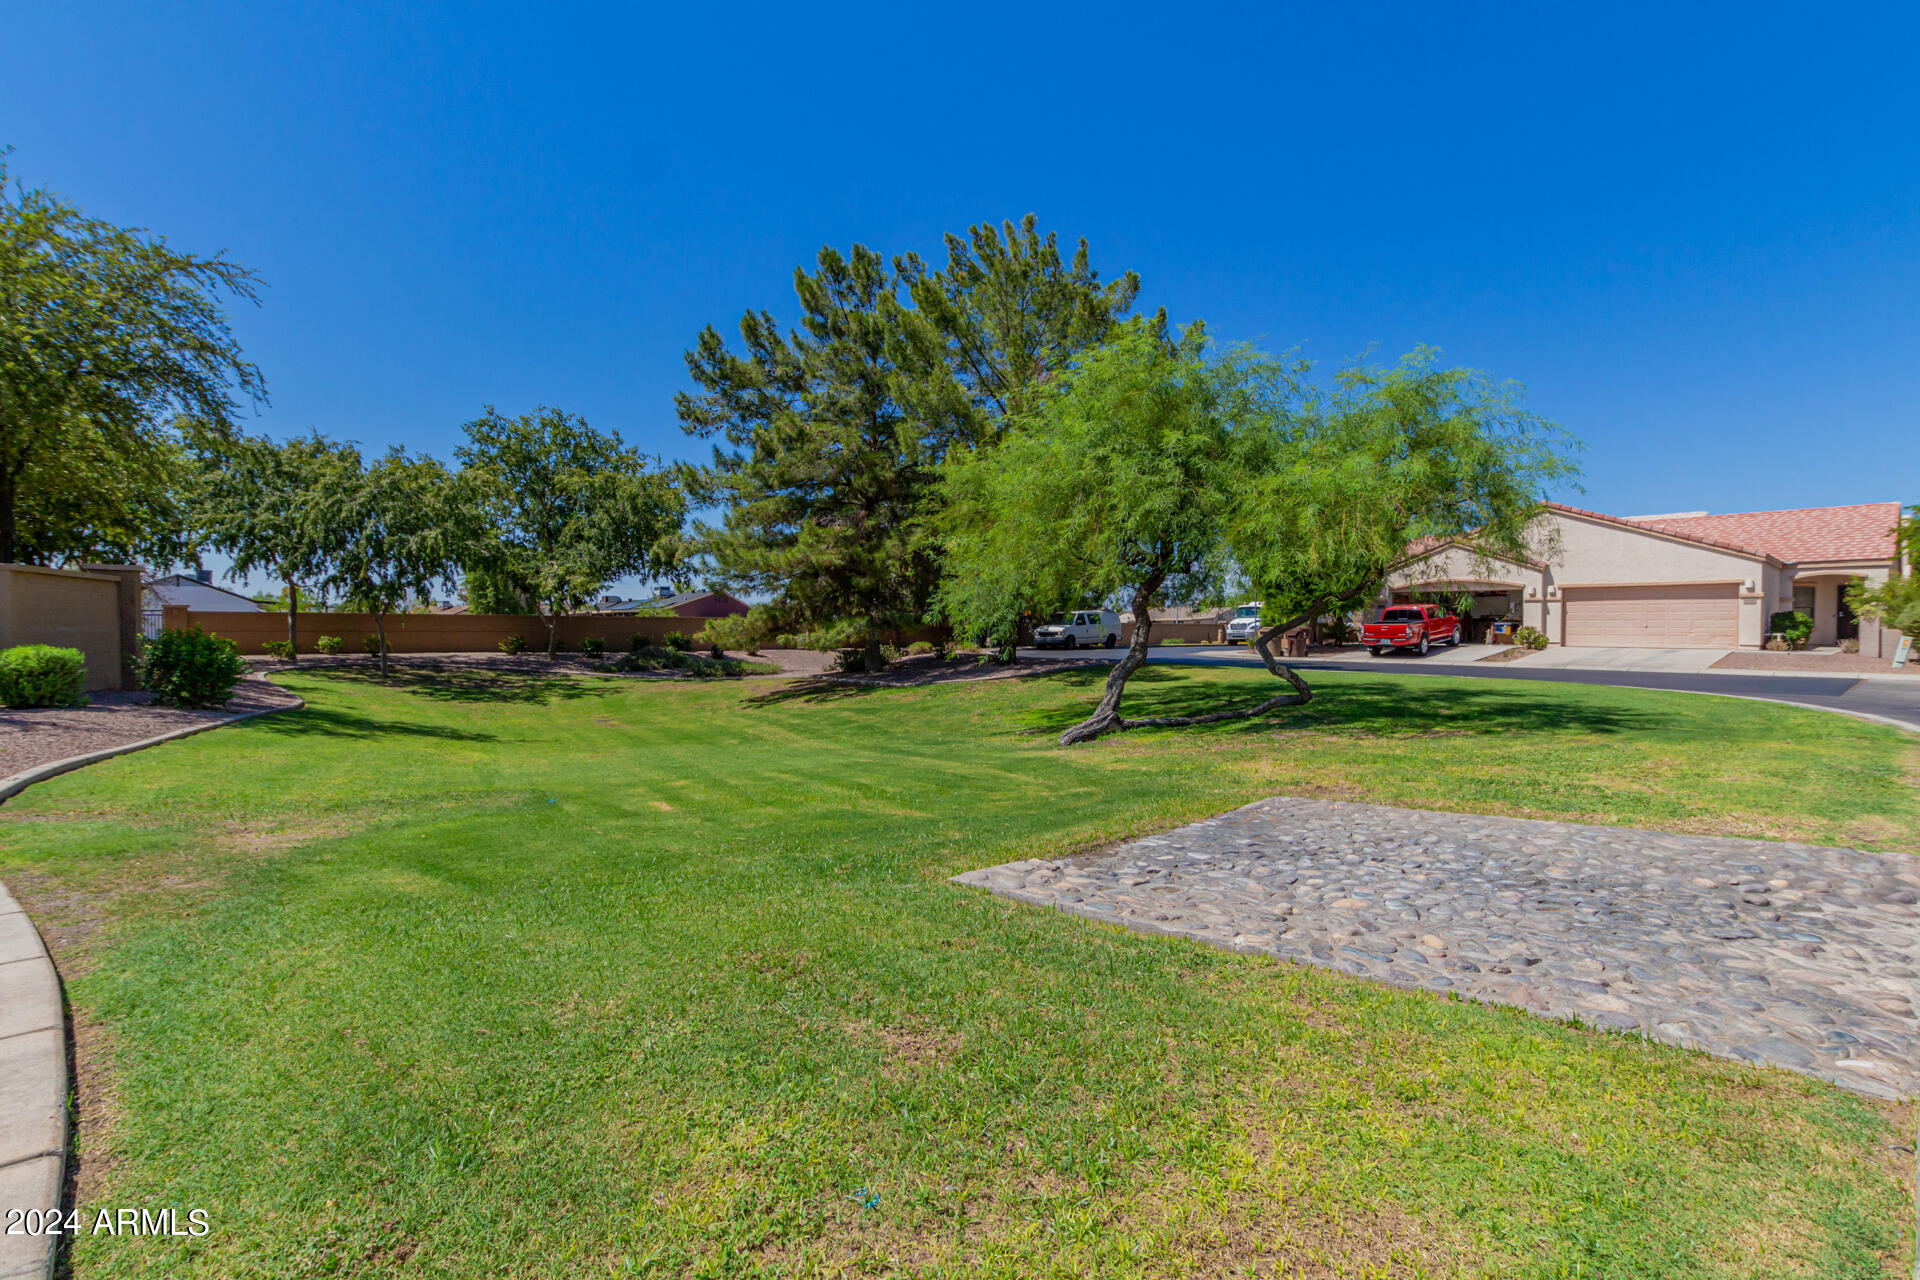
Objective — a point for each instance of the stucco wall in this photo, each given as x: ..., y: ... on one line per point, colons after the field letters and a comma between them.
x: 429, y: 632
x: 67, y: 608
x: 1593, y: 552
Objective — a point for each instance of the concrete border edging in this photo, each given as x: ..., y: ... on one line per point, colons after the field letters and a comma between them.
x: 34, y: 1087
x: 14, y: 785
x: 33, y: 1090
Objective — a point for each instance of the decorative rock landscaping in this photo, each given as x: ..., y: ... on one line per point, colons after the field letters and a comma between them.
x: 1790, y: 955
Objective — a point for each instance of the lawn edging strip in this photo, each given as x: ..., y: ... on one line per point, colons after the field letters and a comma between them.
x: 15, y: 784
x: 33, y: 1094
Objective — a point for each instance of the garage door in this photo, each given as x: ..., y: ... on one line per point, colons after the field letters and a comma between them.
x: 1684, y: 616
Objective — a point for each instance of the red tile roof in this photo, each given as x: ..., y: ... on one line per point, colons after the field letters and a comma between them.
x: 1800, y: 536
x: 1703, y: 537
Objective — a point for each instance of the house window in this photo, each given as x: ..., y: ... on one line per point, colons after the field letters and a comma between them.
x: 1803, y: 600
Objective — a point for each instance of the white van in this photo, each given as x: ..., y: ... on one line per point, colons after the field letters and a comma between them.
x: 1245, y: 623
x: 1088, y: 627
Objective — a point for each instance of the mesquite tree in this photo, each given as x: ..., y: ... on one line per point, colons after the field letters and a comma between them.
x: 1354, y: 482
x: 1119, y: 485
x: 1150, y: 466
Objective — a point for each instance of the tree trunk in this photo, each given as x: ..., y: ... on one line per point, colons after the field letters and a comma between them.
x: 8, y: 492
x: 380, y: 630
x: 553, y: 632
x: 293, y: 620
x: 870, y: 652
x: 1106, y: 717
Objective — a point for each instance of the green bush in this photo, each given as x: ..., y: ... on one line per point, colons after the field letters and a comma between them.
x: 850, y: 661
x: 372, y: 645
x: 40, y: 675
x: 919, y: 647
x: 329, y: 644
x: 281, y: 649
x: 1795, y: 627
x: 592, y: 645
x: 1530, y: 638
x: 190, y: 668
x: 513, y: 644
x: 678, y: 641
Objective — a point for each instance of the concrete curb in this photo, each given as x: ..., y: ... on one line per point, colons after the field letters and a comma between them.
x: 33, y: 1043
x: 14, y: 785
x: 33, y: 1090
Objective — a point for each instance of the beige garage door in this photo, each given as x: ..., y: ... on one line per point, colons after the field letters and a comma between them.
x: 1684, y: 616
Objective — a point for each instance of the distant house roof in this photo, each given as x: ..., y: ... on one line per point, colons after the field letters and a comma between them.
x: 183, y: 588
x: 1799, y: 535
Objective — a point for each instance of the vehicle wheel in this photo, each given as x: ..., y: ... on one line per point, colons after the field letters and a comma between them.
x: 1072, y: 643
x: 1453, y: 641
x: 1111, y: 641
x: 1379, y: 650
x: 1423, y: 646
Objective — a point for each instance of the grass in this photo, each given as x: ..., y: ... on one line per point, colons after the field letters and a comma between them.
x: 476, y: 975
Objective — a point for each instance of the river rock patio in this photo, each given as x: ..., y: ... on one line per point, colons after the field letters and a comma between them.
x: 1785, y: 954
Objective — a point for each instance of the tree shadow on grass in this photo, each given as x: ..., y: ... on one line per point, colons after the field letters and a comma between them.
x: 819, y: 689
x: 468, y: 685
x: 333, y: 722
x: 1369, y: 708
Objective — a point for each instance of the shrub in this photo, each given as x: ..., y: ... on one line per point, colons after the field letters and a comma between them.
x: 190, y: 668
x: 678, y: 641
x: 371, y: 645
x: 1850, y: 645
x: 281, y: 649
x: 41, y: 675
x: 715, y: 652
x: 850, y: 661
x: 1339, y: 630
x: 329, y: 644
x: 592, y: 645
x: 1794, y: 627
x: 1530, y: 638
x: 919, y: 647
x: 513, y: 644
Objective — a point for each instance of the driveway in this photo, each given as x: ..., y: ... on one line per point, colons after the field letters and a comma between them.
x: 1888, y: 697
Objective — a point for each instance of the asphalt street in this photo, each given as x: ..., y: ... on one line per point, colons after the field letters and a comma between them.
x: 1891, y: 697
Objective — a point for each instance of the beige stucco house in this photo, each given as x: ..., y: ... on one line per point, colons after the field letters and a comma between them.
x: 1683, y: 581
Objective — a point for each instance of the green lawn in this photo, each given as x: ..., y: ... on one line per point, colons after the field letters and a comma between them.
x: 578, y: 977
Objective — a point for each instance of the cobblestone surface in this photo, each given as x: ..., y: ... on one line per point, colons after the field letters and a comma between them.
x: 1791, y: 955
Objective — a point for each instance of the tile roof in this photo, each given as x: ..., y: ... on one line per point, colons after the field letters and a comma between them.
x: 1702, y: 537
x: 1799, y: 536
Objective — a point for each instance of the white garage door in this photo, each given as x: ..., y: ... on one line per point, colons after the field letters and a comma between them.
x: 1684, y: 616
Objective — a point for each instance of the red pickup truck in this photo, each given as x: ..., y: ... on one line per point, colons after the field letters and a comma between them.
x: 1410, y: 626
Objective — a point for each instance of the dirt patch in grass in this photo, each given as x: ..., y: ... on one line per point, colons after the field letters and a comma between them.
x: 97, y: 1111
x: 907, y: 1047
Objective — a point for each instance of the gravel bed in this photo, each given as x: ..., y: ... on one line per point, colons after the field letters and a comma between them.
x: 29, y: 739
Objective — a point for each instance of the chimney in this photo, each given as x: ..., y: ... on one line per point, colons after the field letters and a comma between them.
x: 203, y: 575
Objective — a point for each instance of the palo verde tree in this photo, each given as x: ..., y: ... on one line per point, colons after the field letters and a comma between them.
x: 1118, y: 485
x: 828, y: 437
x: 266, y: 505
x: 1343, y: 488
x: 562, y: 509
x: 395, y: 529
x: 1894, y: 602
x: 106, y: 335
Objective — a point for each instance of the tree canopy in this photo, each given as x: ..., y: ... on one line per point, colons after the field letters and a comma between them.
x: 394, y: 529
x: 562, y: 509
x: 828, y: 437
x: 1151, y: 466
x: 106, y: 334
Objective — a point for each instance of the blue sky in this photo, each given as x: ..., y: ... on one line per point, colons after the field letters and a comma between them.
x: 1695, y: 237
